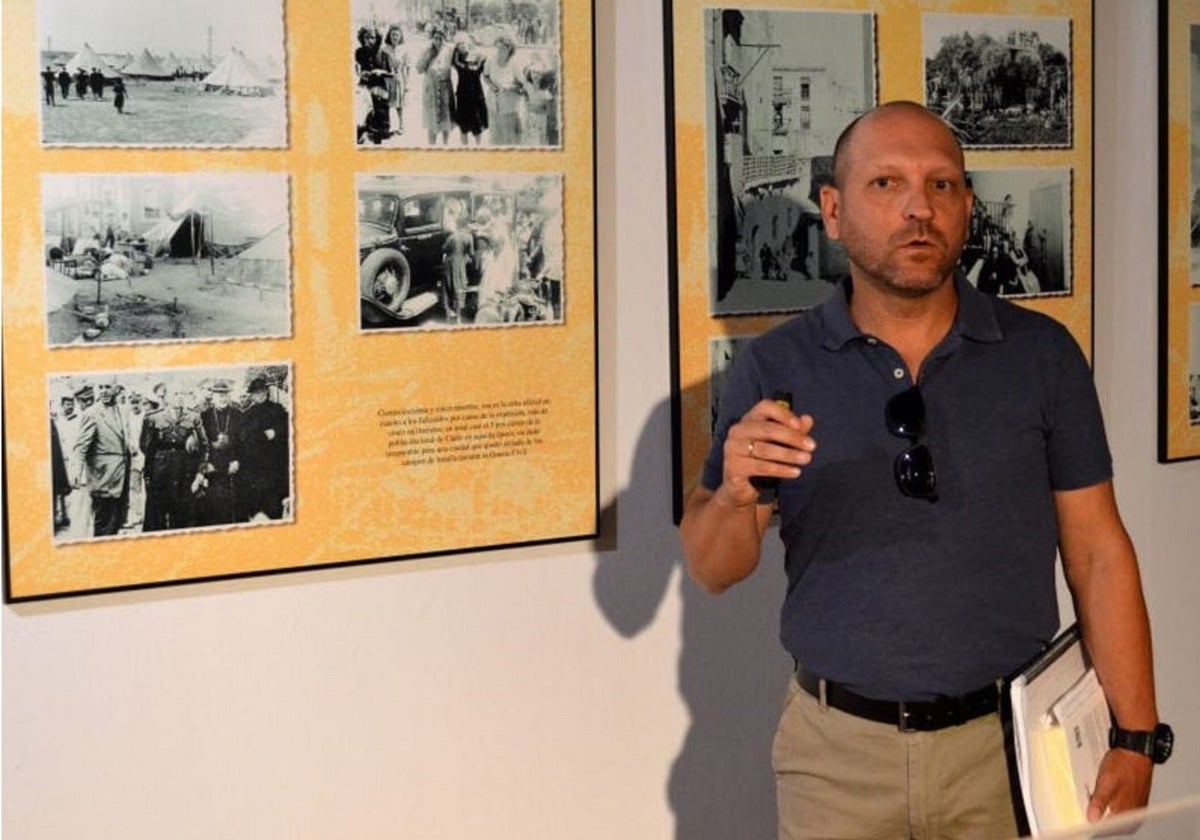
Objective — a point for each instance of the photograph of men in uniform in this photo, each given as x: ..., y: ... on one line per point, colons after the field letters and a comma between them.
x: 173, y: 443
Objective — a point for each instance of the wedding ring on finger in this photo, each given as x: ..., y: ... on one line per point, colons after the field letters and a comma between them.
x: 750, y: 449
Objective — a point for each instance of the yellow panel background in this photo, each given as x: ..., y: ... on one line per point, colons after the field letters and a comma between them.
x: 900, y: 75
x: 1183, y: 439
x: 351, y: 502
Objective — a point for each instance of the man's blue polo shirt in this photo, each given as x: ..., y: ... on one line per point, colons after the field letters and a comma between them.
x: 901, y: 598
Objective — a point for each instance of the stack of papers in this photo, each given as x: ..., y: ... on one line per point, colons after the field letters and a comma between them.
x: 1060, y: 723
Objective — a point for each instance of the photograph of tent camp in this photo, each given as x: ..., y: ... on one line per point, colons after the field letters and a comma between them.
x: 166, y: 257
x: 167, y: 73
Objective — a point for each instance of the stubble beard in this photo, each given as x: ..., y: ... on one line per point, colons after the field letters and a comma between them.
x: 888, y: 268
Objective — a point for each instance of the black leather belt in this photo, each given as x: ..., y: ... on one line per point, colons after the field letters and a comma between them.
x: 920, y: 716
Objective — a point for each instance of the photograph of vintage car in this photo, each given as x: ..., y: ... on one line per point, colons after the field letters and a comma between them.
x: 454, y: 251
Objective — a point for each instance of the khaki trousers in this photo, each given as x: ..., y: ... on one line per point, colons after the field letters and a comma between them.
x: 840, y: 777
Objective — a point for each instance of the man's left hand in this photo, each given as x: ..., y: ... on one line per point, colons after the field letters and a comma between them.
x: 1122, y: 785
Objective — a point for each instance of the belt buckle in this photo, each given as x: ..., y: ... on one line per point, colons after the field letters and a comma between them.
x: 905, y: 723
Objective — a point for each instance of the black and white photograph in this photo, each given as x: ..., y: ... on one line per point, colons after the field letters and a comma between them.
x: 167, y: 257
x: 1194, y: 145
x: 781, y: 87
x: 458, y: 251
x: 1000, y: 81
x: 476, y: 74
x: 138, y: 452
x: 1019, y: 241
x: 163, y: 73
x: 722, y: 352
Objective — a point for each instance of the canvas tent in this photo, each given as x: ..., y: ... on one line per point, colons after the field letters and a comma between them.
x: 87, y: 58
x: 197, y: 233
x: 196, y: 64
x: 235, y: 74
x: 180, y: 237
x: 265, y: 262
x: 222, y: 216
x: 146, y: 66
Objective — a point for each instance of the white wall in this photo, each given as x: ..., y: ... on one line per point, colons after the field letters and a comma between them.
x: 577, y: 692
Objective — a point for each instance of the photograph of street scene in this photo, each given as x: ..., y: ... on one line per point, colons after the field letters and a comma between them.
x: 1000, y: 81
x: 1019, y: 242
x: 465, y: 74
x: 780, y: 87
x: 139, y: 452
x: 166, y: 257
x: 457, y: 251
x: 162, y: 73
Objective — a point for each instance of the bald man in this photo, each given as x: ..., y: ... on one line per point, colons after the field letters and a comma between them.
x: 960, y: 448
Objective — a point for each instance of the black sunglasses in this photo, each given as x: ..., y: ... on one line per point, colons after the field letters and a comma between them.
x: 915, y: 475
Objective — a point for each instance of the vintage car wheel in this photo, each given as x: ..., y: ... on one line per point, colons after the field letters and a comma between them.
x: 380, y: 268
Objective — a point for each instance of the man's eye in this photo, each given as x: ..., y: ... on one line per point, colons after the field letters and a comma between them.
x: 882, y: 181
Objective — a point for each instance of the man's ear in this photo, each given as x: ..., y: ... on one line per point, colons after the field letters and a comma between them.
x: 830, y: 209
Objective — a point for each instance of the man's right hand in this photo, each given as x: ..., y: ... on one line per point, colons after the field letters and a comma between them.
x: 768, y: 441
x: 722, y: 530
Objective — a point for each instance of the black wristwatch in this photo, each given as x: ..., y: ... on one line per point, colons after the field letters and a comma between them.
x: 1156, y: 743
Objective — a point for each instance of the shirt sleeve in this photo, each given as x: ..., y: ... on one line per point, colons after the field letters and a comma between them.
x: 1077, y: 445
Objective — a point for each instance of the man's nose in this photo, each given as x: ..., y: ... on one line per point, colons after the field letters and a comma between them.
x: 917, y: 205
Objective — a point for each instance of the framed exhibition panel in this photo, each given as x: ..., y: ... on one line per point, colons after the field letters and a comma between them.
x: 292, y: 284
x: 1179, y: 234
x: 757, y: 96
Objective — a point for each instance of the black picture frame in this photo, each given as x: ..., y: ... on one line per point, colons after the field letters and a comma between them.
x: 402, y: 444
x: 1179, y: 279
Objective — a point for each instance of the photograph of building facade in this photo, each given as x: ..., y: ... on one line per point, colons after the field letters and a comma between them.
x: 784, y: 85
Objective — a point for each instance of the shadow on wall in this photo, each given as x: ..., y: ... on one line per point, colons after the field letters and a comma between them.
x: 732, y: 670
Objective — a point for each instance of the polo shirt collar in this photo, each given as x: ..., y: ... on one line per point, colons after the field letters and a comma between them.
x: 975, y: 319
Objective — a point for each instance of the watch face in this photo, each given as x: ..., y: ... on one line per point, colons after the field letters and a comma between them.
x: 1164, y: 743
